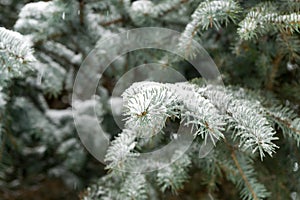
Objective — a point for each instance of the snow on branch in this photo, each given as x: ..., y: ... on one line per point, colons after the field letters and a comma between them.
x: 208, y: 14
x: 246, y: 119
x: 265, y: 17
x: 15, y: 53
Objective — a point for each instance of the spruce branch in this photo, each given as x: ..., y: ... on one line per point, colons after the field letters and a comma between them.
x: 244, y: 117
x: 265, y: 17
x: 113, y: 186
x: 144, y: 10
x: 249, y: 186
x: 253, y: 194
x: 15, y: 54
x: 286, y: 22
x: 287, y: 120
x: 240, y: 171
x: 168, y: 6
x: 53, y: 83
x: 106, y: 188
x: 199, y: 112
x: 289, y: 46
x: 214, y: 13
x: 248, y: 27
x: 35, y: 18
x: 175, y: 175
x: 148, y: 105
x: 120, y: 150
x: 148, y: 109
x: 208, y: 14
x: 134, y: 187
x: 152, y: 103
x: 105, y: 12
x: 290, y: 5
x: 65, y: 56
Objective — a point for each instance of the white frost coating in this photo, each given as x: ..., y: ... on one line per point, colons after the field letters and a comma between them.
x: 93, y: 22
x: 42, y: 19
x: 121, y: 149
x: 51, y: 75
x: 143, y: 6
x: 136, y: 87
x: 85, y: 107
x: 77, y: 59
x: 2, y: 101
x: 14, y: 43
x: 290, y: 66
x: 58, y: 115
x: 116, y: 104
x: 147, y: 107
x: 63, y: 16
x: 65, y: 146
x: 88, y: 107
x: 90, y: 136
x: 35, y: 9
x: 64, y: 52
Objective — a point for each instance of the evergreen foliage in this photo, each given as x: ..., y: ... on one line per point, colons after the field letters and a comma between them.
x: 250, y: 126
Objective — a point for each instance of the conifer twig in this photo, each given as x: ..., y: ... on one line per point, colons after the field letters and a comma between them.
x: 114, y: 21
x: 274, y: 70
x: 233, y: 156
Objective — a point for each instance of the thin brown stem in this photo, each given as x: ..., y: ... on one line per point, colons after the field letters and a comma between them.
x: 114, y: 21
x: 274, y: 70
x: 248, y: 185
x: 237, y: 164
x: 286, y: 123
x: 81, y: 9
x: 173, y: 8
